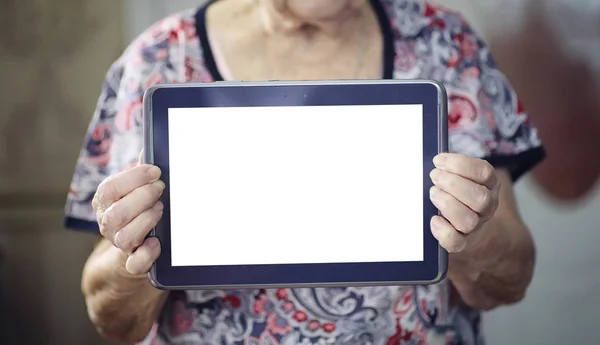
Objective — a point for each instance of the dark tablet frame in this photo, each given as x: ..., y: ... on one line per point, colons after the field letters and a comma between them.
x: 430, y: 94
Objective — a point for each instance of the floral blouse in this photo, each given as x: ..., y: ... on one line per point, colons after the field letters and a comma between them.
x: 421, y: 40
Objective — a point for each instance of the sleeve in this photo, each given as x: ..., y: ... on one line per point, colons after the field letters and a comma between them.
x: 114, y: 138
x: 486, y: 119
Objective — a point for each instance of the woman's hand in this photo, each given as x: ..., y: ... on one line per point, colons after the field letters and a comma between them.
x: 466, y: 191
x: 127, y: 208
x: 121, y: 302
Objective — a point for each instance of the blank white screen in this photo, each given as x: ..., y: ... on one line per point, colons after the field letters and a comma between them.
x: 286, y: 185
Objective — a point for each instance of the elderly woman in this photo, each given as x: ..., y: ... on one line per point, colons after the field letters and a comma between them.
x: 492, y: 142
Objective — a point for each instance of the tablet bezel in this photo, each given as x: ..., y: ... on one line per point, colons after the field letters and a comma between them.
x: 430, y: 94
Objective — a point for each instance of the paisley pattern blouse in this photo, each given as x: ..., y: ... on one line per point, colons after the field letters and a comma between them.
x: 421, y: 40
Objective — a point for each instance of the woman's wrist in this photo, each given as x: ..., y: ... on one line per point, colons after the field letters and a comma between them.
x: 496, y: 268
x: 106, y: 269
x: 122, y: 306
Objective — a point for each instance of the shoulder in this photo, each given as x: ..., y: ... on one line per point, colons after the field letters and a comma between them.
x: 161, y: 53
x: 419, y: 19
x: 166, y: 52
x: 434, y: 42
x: 438, y: 35
x: 166, y: 33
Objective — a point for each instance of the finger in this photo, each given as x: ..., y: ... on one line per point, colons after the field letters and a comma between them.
x: 450, y: 239
x: 133, y: 234
x: 474, y: 169
x: 117, y: 186
x: 129, y: 207
x: 142, y: 259
x: 458, y: 214
x: 475, y: 196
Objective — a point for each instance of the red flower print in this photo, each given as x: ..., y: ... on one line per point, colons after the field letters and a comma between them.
x: 300, y: 316
x: 233, y: 301
x: 459, y: 38
x: 429, y: 10
x: 126, y: 117
x: 461, y: 110
x: 400, y: 336
x: 329, y: 327
x: 520, y: 107
x: 189, y: 29
x: 100, y: 132
x: 99, y: 145
x: 404, y: 303
x: 281, y: 294
x: 313, y: 325
x: 439, y: 23
x: 174, y: 36
x: 259, y: 305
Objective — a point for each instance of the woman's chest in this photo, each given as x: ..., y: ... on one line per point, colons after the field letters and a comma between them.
x: 248, y: 51
x: 301, y: 62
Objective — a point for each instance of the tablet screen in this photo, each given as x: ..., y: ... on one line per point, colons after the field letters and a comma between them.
x: 296, y: 185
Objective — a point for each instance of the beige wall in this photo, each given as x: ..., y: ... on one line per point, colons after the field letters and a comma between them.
x: 53, y: 55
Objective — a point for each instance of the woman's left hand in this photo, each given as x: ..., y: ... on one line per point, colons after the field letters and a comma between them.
x: 466, y: 191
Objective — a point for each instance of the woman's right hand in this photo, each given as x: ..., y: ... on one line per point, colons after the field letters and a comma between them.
x: 127, y: 207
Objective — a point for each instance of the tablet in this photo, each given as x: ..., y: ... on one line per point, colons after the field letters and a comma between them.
x: 296, y: 184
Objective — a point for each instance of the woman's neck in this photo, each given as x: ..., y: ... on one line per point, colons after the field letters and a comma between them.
x: 328, y: 17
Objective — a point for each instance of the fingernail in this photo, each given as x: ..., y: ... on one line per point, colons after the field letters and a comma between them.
x: 158, y: 206
x: 436, y: 226
x: 153, y: 242
x: 160, y: 185
x: 439, y: 160
x: 435, y: 223
x: 153, y: 172
x: 432, y: 192
x: 435, y: 175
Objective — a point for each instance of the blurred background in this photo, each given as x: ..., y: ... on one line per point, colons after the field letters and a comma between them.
x: 53, y: 57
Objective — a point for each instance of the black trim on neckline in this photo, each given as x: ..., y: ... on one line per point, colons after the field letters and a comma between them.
x: 389, y: 51
x: 385, y: 25
x: 207, y: 54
